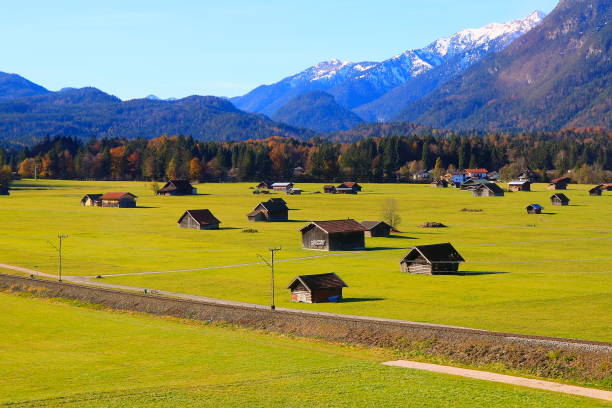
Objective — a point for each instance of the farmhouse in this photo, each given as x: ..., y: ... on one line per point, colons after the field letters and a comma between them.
x: 270, y: 211
x: 527, y: 175
x: 595, y: 191
x: 534, y: 209
x: 118, y: 199
x: 559, y: 199
x: 376, y: 228
x: 476, y: 173
x: 324, y: 287
x: 176, y: 187
x: 91, y: 200
x: 432, y: 260
x: 335, y: 235
x: 519, y: 185
x: 487, y: 190
x: 329, y: 189
x: 282, y: 186
x: 199, y: 219
x: 355, y: 187
x: 559, y: 183
x: 441, y: 183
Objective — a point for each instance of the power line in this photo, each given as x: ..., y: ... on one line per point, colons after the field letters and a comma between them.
x: 271, y: 265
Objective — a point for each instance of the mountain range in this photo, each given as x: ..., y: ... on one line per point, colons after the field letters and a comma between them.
x: 377, y: 91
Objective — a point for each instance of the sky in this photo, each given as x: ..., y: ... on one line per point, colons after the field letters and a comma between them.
x: 133, y: 48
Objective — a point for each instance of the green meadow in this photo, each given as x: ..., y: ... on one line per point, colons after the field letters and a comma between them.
x: 548, y: 274
x: 64, y: 354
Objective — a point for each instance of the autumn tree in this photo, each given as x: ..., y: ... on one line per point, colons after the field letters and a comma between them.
x: 389, y: 213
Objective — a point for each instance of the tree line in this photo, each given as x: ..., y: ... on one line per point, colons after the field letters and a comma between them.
x: 586, y: 152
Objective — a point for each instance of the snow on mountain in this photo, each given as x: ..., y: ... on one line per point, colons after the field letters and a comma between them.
x: 357, y: 83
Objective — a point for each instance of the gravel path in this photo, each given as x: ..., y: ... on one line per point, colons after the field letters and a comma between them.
x: 506, y: 379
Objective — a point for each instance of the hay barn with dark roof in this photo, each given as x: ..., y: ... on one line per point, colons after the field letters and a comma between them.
x: 434, y: 259
x: 273, y: 210
x: 376, y: 228
x: 335, y: 235
x: 559, y: 199
x: 199, y: 219
x: 177, y: 187
x: 559, y: 183
x: 91, y: 200
x: 488, y: 190
x: 324, y: 287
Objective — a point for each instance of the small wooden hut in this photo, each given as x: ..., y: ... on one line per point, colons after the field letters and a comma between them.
x: 199, y: 219
x: 324, y: 287
x: 294, y: 191
x: 282, y: 186
x: 118, y: 199
x: 559, y: 199
x: 595, y: 191
x: 534, y: 209
x: 527, y: 175
x: 334, y: 235
x: 353, y: 185
x: 606, y: 187
x: 376, y: 228
x: 559, y: 183
x: 488, y: 190
x: 432, y: 260
x: 519, y: 185
x: 177, y: 187
x: 441, y: 183
x: 273, y: 210
x: 264, y: 185
x: 329, y: 189
x: 91, y: 200
x: 471, y: 184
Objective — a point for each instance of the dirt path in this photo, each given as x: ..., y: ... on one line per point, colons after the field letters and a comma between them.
x: 506, y: 379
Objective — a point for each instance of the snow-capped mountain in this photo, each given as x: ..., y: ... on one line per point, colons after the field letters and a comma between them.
x: 356, y: 84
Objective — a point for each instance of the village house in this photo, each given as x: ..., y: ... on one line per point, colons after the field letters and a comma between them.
x: 519, y: 185
x: 299, y: 171
x: 534, y: 209
x: 476, y: 173
x: 441, y: 183
x: 118, y: 199
x: 329, y: 189
x: 91, y: 200
x: 335, y: 235
x: 559, y: 199
x: 559, y: 183
x: 527, y: 175
x: 595, y: 191
x: 432, y: 260
x: 199, y: 219
x: 376, y: 228
x: 273, y: 210
x: 282, y: 186
x: 487, y: 190
x: 176, y: 187
x: 324, y: 287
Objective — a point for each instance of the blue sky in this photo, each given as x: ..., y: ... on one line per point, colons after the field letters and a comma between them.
x: 132, y: 48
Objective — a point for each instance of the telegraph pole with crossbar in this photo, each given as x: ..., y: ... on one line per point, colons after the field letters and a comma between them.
x: 271, y: 265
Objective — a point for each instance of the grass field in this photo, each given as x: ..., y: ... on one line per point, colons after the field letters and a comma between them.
x: 548, y: 274
x: 57, y: 354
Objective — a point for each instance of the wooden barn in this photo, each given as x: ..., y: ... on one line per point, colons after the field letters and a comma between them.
x: 488, y: 190
x: 527, y: 175
x: 432, y: 260
x: 606, y: 187
x: 596, y: 191
x: 294, y: 191
x: 282, y: 186
x: 118, y: 199
x: 348, y: 187
x: 441, y: 183
x: 273, y: 210
x: 559, y: 183
x: 519, y: 185
x: 534, y: 209
x: 329, y: 189
x: 324, y: 287
x: 91, y: 200
x: 376, y: 228
x: 177, y: 187
x: 335, y: 235
x: 559, y: 199
x: 264, y: 185
x: 471, y: 184
x: 199, y: 219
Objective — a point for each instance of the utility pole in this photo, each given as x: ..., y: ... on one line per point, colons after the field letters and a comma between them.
x: 59, y: 252
x: 271, y: 265
x: 35, y: 170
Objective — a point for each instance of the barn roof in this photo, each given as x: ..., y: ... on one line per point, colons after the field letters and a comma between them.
x: 490, y: 186
x: 272, y: 205
x: 319, y: 281
x: 518, y: 182
x: 92, y: 196
x: 561, y: 197
x: 368, y: 225
x: 535, y: 207
x: 336, y: 226
x: 177, y: 184
x: 561, y: 180
x: 202, y: 217
x: 349, y: 184
x: 116, y: 195
x: 281, y: 184
x: 476, y: 170
x: 437, y: 253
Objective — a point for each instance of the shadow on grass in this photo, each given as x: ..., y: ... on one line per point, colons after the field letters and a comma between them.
x: 548, y: 213
x: 383, y: 248
x: 144, y: 206
x: 231, y: 228
x: 399, y: 237
x: 362, y: 299
x: 473, y: 273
